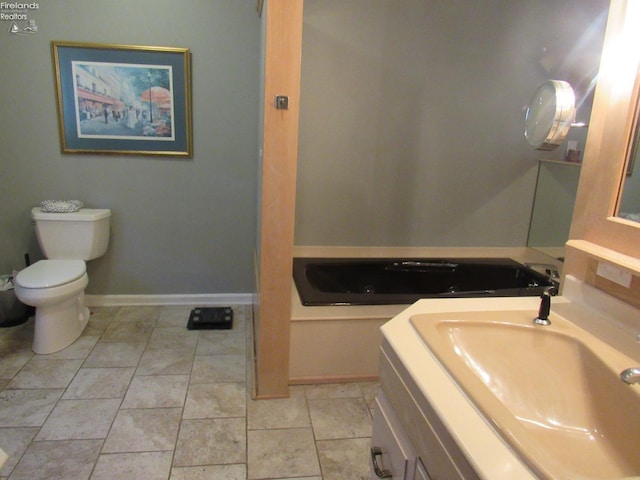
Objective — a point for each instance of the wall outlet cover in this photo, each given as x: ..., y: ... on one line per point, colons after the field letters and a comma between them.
x: 615, y: 274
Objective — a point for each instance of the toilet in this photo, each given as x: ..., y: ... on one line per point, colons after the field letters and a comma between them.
x: 55, y: 286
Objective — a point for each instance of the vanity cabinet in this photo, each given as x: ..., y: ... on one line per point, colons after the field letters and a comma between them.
x: 413, y: 442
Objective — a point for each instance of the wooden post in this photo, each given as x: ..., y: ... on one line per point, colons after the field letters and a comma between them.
x: 283, y: 48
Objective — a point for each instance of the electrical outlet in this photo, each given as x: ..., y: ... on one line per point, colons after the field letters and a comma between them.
x: 615, y: 274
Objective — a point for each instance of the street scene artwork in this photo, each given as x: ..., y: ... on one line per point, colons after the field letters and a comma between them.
x: 123, y: 101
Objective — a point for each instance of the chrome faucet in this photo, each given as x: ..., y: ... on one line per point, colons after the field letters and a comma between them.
x: 630, y: 375
x: 545, y: 307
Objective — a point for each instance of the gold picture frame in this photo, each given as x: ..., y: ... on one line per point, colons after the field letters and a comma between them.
x: 123, y: 99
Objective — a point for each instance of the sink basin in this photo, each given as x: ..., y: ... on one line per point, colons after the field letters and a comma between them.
x: 552, y: 392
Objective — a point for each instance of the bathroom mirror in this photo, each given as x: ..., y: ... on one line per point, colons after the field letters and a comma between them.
x: 553, y: 205
x: 550, y: 114
x: 559, y: 169
x: 629, y: 202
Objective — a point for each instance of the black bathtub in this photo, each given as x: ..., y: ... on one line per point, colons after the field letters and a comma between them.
x: 389, y: 281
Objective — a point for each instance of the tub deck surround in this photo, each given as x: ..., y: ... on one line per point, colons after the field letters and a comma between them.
x: 336, y: 345
x: 484, y: 448
x: 341, y: 343
x: 520, y: 254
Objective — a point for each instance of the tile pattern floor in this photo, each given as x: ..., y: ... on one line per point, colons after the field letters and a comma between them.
x: 139, y: 396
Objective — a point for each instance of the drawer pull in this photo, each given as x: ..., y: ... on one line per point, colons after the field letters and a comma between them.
x: 381, y: 473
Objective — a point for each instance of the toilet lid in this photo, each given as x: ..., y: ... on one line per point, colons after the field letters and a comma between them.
x: 50, y: 273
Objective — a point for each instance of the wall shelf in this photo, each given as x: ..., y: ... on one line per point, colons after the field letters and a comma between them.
x: 604, y: 254
x: 561, y: 162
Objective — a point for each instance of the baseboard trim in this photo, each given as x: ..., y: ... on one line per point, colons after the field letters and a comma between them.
x: 201, y: 300
x: 312, y: 380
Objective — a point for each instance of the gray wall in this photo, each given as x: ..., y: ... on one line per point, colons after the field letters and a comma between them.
x: 178, y: 225
x: 412, y: 116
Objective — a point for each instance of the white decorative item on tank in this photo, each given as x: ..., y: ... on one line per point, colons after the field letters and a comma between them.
x: 61, y: 206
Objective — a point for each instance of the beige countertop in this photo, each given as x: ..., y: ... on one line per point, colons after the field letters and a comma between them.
x: 483, y: 446
x: 487, y: 452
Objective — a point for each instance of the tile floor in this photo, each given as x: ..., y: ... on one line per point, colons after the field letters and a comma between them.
x: 139, y: 396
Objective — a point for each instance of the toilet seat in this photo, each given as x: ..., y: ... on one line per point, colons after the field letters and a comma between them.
x: 50, y: 273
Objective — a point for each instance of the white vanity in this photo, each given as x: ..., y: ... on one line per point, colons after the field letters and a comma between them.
x: 432, y: 421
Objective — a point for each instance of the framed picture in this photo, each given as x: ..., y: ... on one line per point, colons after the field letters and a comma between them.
x: 122, y: 99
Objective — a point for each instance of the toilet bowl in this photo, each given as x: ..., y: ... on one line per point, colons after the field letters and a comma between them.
x: 56, y: 286
x: 56, y: 289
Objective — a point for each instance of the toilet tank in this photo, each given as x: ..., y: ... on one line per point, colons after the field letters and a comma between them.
x: 81, y: 235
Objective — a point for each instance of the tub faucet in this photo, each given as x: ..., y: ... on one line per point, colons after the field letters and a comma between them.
x: 545, y: 307
x: 630, y: 375
x: 550, y: 270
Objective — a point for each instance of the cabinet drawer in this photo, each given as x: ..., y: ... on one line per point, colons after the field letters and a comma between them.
x: 428, y: 435
x: 391, y: 452
x: 421, y: 471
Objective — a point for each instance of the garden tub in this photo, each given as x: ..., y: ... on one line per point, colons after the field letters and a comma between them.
x: 391, y: 281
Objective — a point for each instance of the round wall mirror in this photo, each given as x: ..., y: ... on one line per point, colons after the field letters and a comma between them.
x: 550, y: 114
